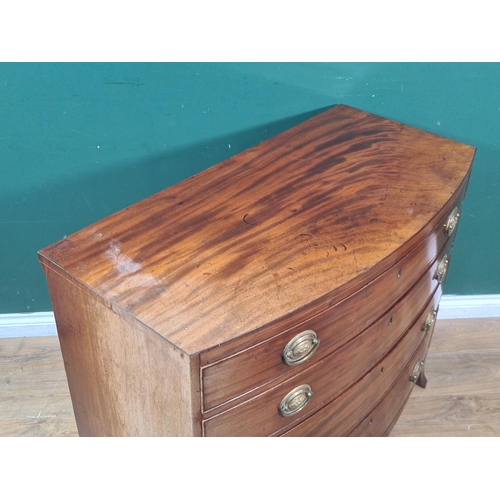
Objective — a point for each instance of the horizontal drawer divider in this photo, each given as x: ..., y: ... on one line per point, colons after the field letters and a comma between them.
x: 424, y: 287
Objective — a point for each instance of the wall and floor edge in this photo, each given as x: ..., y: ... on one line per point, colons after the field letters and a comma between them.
x: 41, y: 324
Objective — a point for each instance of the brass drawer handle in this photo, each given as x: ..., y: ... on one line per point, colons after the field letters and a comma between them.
x: 295, y: 400
x: 300, y: 348
x: 452, y: 222
x: 430, y: 320
x: 417, y: 370
x: 441, y: 269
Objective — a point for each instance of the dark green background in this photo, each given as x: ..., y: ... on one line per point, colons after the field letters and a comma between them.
x: 81, y: 141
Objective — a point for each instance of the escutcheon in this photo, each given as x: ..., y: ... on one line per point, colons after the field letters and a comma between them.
x: 295, y: 400
x: 300, y: 348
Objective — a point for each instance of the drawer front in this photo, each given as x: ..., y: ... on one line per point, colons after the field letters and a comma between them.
x: 263, y: 363
x: 345, y: 413
x: 382, y: 419
x: 327, y: 379
x: 434, y: 237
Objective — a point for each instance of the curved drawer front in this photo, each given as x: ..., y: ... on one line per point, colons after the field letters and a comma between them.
x: 281, y: 291
x: 344, y: 414
x: 251, y: 369
x: 328, y: 378
x: 381, y: 420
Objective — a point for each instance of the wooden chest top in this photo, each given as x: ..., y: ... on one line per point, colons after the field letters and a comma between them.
x: 298, y: 221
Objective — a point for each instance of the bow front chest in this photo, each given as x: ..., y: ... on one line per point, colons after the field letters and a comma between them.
x: 290, y: 290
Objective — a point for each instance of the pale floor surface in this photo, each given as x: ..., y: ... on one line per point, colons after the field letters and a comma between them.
x: 462, y: 397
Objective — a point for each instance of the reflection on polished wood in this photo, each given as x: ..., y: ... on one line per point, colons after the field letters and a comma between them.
x: 462, y: 397
x: 173, y: 313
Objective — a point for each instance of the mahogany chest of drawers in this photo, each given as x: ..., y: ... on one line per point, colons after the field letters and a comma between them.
x: 290, y: 290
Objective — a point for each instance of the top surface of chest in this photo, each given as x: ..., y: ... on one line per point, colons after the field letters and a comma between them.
x: 312, y: 212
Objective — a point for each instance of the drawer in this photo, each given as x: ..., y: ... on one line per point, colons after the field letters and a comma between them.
x: 331, y: 376
x: 344, y: 414
x: 280, y: 292
x: 252, y: 368
x: 382, y: 419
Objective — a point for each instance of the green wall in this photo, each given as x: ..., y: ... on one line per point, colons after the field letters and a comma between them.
x: 81, y: 141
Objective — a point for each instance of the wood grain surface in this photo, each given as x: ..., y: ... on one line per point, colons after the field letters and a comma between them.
x: 294, y: 220
x: 462, y: 397
x: 396, y: 280
x: 381, y: 420
x: 371, y: 311
x: 345, y: 377
x: 345, y: 412
x: 125, y: 379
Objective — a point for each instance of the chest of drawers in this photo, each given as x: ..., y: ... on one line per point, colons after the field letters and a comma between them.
x: 289, y: 290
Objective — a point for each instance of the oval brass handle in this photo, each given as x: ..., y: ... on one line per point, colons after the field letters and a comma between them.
x: 429, y: 321
x: 417, y: 370
x: 295, y: 400
x: 452, y: 222
x: 300, y: 348
x: 441, y: 269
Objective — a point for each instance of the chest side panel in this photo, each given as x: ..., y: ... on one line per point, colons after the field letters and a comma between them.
x: 124, y: 379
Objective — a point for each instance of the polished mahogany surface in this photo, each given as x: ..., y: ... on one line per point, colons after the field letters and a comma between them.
x: 353, y: 317
x: 295, y: 222
x: 290, y: 290
x: 336, y: 378
x: 343, y: 414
